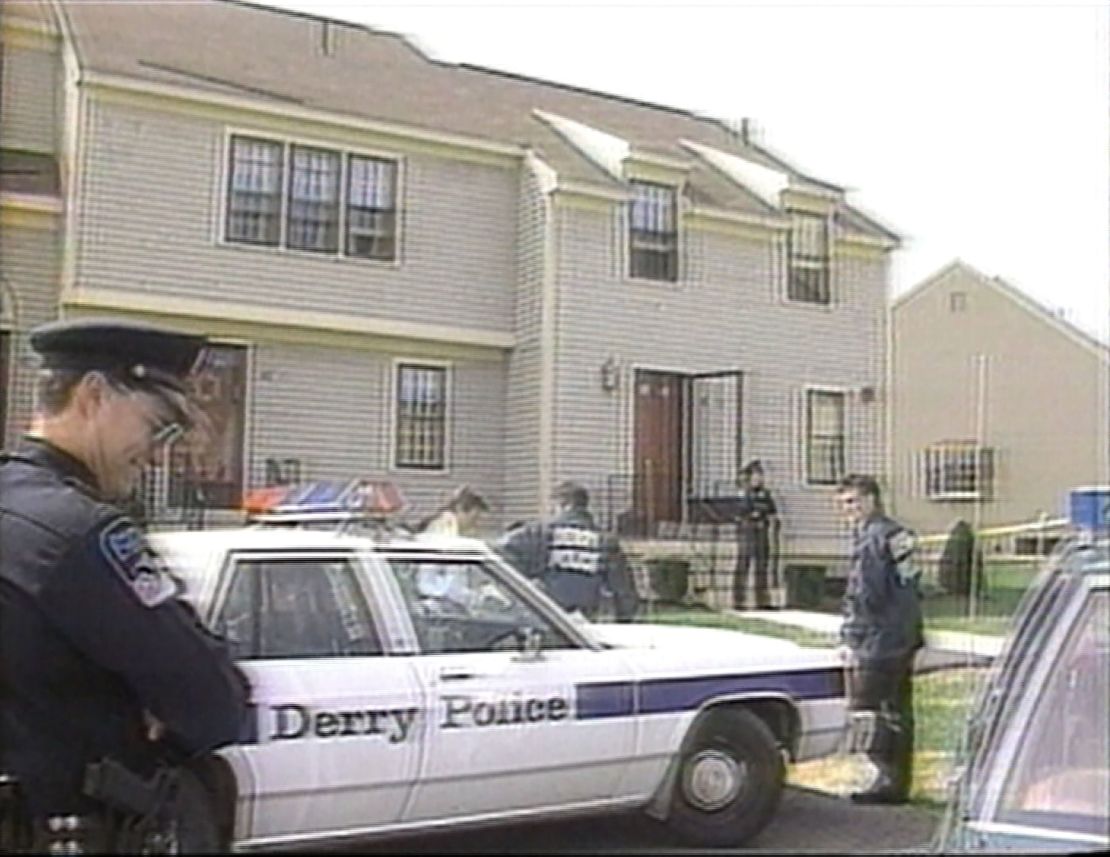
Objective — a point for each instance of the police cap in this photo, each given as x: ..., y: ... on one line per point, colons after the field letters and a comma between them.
x: 140, y: 356
x: 753, y: 466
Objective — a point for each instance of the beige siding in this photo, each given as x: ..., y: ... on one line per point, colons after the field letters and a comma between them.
x: 151, y: 208
x: 726, y: 314
x: 330, y: 408
x: 30, y: 96
x: 1045, y: 401
x: 522, y: 401
x: 29, y: 267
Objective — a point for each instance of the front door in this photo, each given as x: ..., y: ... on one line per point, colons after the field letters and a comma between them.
x: 658, y: 447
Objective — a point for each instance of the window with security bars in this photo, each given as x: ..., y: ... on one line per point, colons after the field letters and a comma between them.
x: 421, y: 421
x: 371, y: 208
x: 313, y: 200
x: 825, y: 437
x: 958, y: 470
x: 254, y: 191
x: 809, y: 258
x: 653, y: 232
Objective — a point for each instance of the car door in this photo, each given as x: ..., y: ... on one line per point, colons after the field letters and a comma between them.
x: 336, y: 719
x: 508, y: 731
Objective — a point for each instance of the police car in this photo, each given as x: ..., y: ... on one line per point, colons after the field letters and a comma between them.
x: 1036, y: 765
x: 412, y: 683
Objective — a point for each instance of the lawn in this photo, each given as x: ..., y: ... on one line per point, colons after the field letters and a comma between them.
x: 941, y: 702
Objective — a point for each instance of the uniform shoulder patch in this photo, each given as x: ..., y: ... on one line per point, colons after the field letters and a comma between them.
x: 901, y: 544
x: 126, y: 550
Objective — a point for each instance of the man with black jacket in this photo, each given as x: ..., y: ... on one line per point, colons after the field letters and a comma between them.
x: 99, y: 659
x: 572, y: 558
x: 881, y: 633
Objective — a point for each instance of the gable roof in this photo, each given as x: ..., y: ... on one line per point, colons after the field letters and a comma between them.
x: 957, y: 268
x: 279, y: 57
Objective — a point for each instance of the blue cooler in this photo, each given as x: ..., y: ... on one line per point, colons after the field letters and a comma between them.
x: 1089, y: 508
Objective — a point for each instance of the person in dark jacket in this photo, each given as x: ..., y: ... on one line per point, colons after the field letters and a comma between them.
x: 881, y: 633
x: 573, y: 560
x: 757, y: 530
x: 99, y: 659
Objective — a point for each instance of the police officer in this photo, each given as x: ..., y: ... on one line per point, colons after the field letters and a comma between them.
x: 100, y: 661
x: 572, y: 558
x: 757, y: 527
x: 881, y: 633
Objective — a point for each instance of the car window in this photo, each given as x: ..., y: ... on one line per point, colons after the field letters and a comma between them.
x: 461, y: 606
x: 296, y: 608
x: 1059, y: 778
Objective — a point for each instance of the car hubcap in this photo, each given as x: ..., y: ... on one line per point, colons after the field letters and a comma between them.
x: 712, y: 780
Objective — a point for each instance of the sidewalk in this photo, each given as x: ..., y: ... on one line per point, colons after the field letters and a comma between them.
x: 980, y: 645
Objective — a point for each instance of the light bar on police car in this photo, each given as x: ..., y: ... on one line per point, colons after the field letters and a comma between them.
x: 325, y: 500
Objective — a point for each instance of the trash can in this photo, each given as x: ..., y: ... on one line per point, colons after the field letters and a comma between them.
x: 670, y: 578
x: 805, y: 586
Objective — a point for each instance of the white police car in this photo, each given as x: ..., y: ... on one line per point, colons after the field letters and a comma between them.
x: 413, y: 683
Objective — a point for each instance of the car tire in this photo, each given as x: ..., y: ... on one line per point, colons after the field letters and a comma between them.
x: 729, y: 780
x: 198, y: 829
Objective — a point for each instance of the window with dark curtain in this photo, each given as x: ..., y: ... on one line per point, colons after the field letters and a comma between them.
x: 371, y: 208
x: 825, y: 439
x: 809, y: 258
x: 653, y: 232
x: 206, y: 465
x: 254, y: 191
x: 421, y: 408
x: 313, y: 200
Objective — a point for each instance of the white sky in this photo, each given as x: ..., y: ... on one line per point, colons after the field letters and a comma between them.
x: 974, y: 131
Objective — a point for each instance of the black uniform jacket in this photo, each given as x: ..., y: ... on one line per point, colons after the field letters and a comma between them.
x: 92, y: 634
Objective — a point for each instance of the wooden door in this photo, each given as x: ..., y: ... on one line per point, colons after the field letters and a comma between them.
x: 658, y: 447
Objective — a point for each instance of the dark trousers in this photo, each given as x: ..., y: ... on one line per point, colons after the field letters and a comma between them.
x: 753, y: 555
x: 885, y: 687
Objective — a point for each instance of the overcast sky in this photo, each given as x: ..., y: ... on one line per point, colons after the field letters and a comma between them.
x: 974, y: 131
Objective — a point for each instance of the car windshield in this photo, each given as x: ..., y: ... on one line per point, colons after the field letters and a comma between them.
x: 1059, y: 778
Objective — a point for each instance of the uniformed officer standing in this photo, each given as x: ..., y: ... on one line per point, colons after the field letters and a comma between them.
x: 572, y: 558
x: 881, y: 633
x: 757, y: 528
x: 99, y: 659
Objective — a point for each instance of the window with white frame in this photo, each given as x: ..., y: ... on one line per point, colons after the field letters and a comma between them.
x: 825, y: 436
x: 808, y: 258
x: 653, y: 232
x: 420, y: 426
x: 254, y: 191
x: 329, y: 201
x: 371, y: 208
x: 958, y: 470
x: 313, y: 208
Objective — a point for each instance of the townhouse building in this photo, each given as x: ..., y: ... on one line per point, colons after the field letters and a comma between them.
x: 439, y: 273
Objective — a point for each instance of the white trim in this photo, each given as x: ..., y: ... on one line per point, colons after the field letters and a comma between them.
x: 20, y: 24
x: 288, y: 111
x: 32, y: 203
x: 549, y: 296
x: 448, y: 416
x: 845, y: 392
x: 261, y: 315
x: 655, y: 159
x: 605, y: 150
x: 765, y: 182
x: 777, y: 223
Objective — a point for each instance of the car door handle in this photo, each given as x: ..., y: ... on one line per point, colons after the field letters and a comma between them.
x: 456, y: 674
